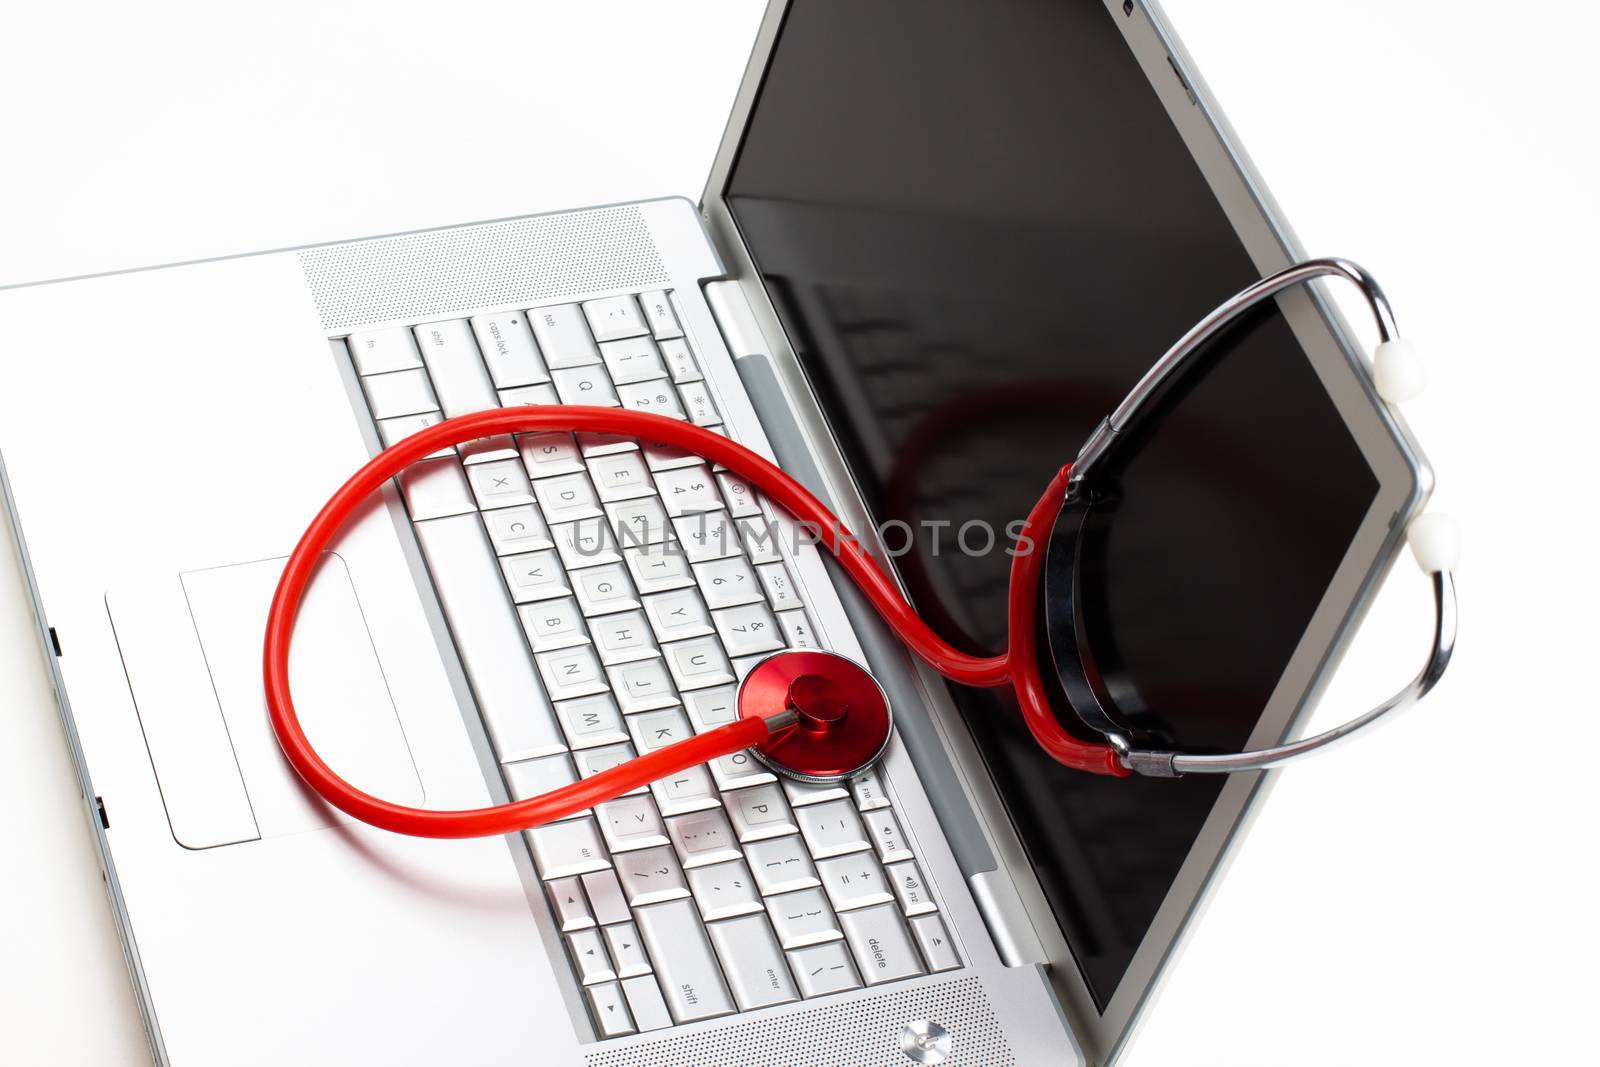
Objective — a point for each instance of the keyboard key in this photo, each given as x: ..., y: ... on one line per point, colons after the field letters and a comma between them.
x: 585, y: 543
x: 404, y: 392
x: 911, y: 888
x: 797, y: 631
x: 591, y: 721
x: 803, y: 918
x: 642, y: 686
x: 529, y: 394
x: 589, y: 953
x: 606, y: 901
x: 658, y: 312
x: 604, y: 589
x: 707, y: 536
x: 615, y: 317
x: 823, y: 969
x: 645, y: 1001
x: 759, y: 812
x: 565, y: 848
x: 610, y: 1010
x: 623, y: 637
x: 688, y: 489
x: 627, y: 952
x: 703, y: 838
x: 534, y: 777
x: 499, y: 484
x: 508, y: 350
x: 659, y: 568
x: 584, y: 385
x: 802, y: 793
x: 878, y: 939
x: 567, y: 498
x: 738, y: 770
x: 591, y: 761
x: 728, y: 583
x: 658, y: 729
x: 697, y: 663
x: 687, y: 970
x: 546, y: 455
x: 553, y: 624
x: 698, y: 403
x: 832, y: 828
x: 517, y: 529
x: 493, y: 650
x: 639, y: 522
x: 571, y: 672
x: 743, y: 665
x: 535, y: 576
x: 657, y: 398
x: 854, y: 882
x: 455, y: 367
x: 781, y: 865
x: 572, y: 907
x: 724, y: 890
x: 665, y: 458
x: 754, y: 966
x: 435, y: 489
x: 621, y: 477
x: 629, y: 823
x: 688, y: 790
x: 604, y: 444
x: 711, y: 708
x: 485, y: 449
x: 886, y: 836
x: 393, y: 431
x: 563, y: 337
x: 741, y: 499
x: 379, y: 351
x: 680, y: 361
x: 747, y: 630
x: 869, y: 791
x: 649, y: 876
x: 759, y: 539
x: 678, y: 614
x: 633, y: 360
x: 937, y: 948
x: 779, y: 587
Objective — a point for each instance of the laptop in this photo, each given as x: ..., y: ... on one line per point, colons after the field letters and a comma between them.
x: 938, y: 243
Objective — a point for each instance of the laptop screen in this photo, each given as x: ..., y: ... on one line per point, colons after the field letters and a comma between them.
x: 980, y: 228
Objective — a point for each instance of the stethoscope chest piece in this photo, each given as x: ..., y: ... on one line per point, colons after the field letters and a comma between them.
x: 833, y: 719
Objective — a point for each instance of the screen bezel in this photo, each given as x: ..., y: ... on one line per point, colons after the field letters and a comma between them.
x: 1404, y: 482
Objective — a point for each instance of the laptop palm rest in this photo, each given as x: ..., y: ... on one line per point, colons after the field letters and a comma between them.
x: 191, y: 645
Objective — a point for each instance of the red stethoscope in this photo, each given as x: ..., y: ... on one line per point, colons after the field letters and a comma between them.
x: 816, y: 716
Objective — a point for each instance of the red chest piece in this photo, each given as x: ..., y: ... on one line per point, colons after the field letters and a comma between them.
x: 842, y: 715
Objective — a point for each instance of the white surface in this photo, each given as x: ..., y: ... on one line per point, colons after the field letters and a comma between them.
x: 1377, y: 912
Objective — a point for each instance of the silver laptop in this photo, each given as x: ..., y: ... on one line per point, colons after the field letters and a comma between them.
x: 938, y: 242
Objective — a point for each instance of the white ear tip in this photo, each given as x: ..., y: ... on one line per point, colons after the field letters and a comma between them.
x: 1435, y: 541
x: 1397, y: 371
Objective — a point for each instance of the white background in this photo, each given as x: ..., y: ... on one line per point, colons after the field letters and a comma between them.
x: 1427, y: 896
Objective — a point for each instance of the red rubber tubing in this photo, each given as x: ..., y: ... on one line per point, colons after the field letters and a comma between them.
x: 1019, y: 665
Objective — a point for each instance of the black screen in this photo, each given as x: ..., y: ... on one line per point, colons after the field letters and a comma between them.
x: 980, y: 227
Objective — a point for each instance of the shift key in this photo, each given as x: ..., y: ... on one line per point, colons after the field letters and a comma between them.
x: 688, y: 971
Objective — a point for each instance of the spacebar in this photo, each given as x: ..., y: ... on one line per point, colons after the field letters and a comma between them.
x: 489, y: 638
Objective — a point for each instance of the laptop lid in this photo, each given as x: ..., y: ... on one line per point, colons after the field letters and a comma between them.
x: 975, y: 226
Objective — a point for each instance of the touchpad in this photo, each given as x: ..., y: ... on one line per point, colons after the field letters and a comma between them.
x: 340, y: 693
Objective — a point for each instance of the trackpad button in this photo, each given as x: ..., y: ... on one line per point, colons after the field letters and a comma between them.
x: 340, y: 691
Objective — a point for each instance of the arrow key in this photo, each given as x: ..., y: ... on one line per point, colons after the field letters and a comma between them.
x: 594, y: 966
x: 611, y: 1016
x: 626, y: 950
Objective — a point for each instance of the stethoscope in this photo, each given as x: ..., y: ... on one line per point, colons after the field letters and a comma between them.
x: 816, y: 716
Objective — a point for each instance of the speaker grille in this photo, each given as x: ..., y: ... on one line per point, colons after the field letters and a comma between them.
x: 444, y: 272
x: 856, y: 1033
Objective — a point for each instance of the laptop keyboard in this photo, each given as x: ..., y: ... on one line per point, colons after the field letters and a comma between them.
x: 606, y: 597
